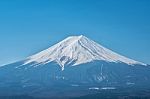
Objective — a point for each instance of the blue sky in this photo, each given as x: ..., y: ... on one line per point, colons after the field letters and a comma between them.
x: 29, y: 26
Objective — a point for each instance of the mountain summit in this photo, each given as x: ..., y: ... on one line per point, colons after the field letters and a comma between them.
x: 77, y: 50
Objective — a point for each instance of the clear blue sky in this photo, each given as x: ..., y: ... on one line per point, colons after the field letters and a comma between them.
x: 29, y: 26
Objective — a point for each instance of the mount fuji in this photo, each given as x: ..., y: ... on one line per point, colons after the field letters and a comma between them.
x: 73, y: 65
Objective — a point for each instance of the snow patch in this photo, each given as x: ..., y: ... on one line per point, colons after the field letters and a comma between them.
x: 94, y: 88
x: 108, y: 88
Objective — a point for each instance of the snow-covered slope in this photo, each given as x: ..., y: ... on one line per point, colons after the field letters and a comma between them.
x: 77, y: 50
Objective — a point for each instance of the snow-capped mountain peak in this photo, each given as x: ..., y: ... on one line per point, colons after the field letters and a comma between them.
x: 77, y: 50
